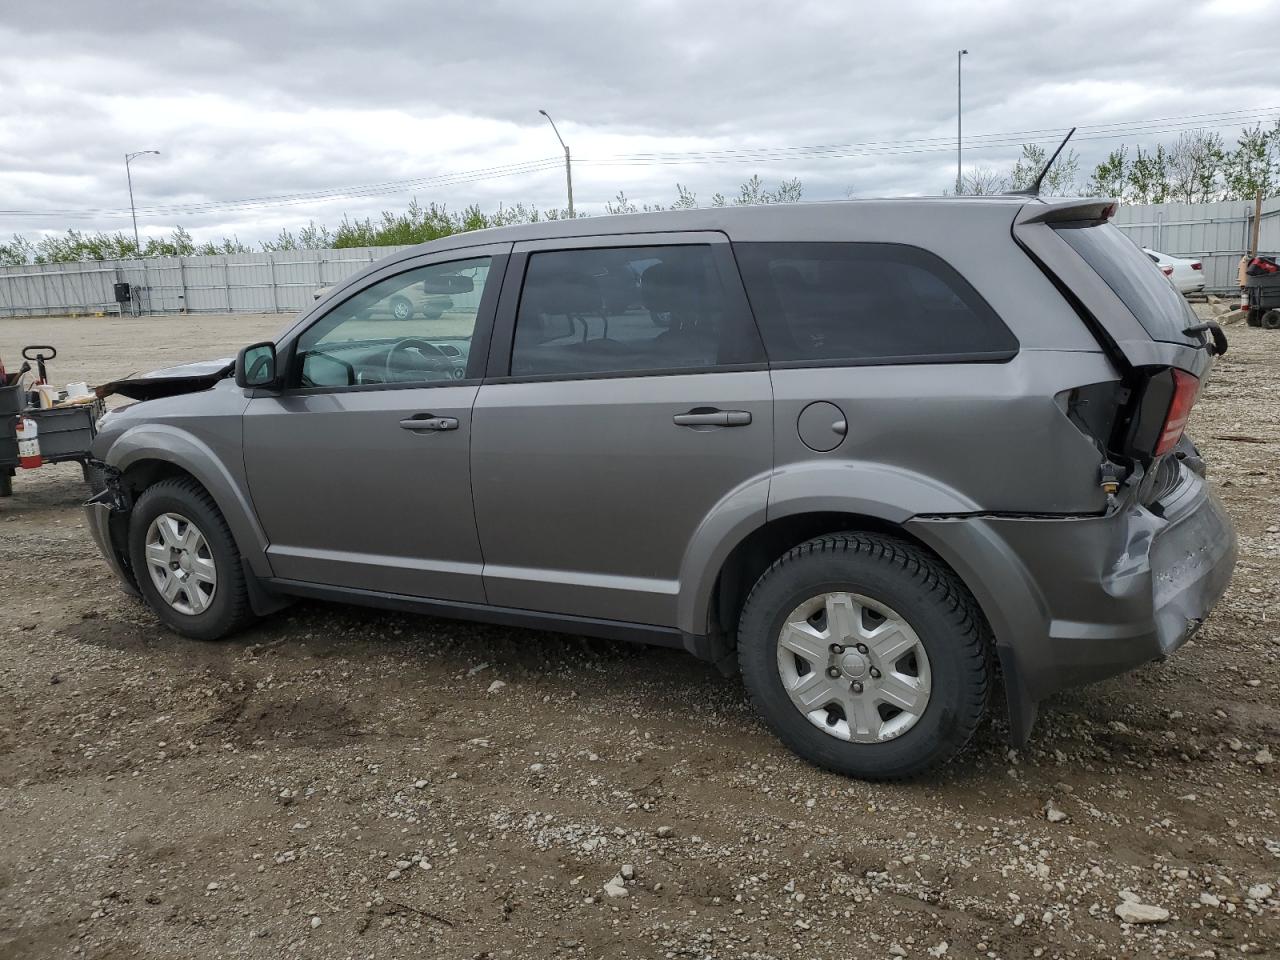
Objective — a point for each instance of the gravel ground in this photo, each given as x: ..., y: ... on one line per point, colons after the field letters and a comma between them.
x: 346, y: 783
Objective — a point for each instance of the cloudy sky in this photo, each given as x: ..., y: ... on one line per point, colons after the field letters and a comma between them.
x: 317, y: 109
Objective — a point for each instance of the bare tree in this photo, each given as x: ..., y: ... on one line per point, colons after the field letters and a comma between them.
x: 1195, y: 167
x: 982, y: 182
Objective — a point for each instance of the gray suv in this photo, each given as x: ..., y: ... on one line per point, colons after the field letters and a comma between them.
x: 884, y: 458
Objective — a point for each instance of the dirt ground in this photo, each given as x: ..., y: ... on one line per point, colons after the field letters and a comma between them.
x: 345, y: 783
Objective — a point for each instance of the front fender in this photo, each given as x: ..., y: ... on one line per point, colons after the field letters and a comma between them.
x: 170, y: 444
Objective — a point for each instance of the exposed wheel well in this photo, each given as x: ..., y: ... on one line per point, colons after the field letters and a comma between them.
x: 133, y: 480
x: 749, y: 559
x: 142, y: 474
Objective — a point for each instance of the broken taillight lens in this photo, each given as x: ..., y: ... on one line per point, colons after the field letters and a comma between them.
x: 1185, y: 389
x: 1167, y: 271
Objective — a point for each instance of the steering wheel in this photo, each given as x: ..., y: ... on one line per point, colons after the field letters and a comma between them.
x: 432, y: 358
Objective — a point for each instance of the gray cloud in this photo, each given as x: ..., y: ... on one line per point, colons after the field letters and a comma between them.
x: 251, y: 99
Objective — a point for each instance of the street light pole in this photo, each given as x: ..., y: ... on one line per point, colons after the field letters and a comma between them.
x: 128, y: 159
x: 959, y: 182
x: 568, y: 166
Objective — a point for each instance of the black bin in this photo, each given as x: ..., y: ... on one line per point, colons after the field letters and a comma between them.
x: 123, y: 293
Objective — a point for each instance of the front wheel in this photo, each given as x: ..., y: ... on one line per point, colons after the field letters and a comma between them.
x: 401, y: 308
x: 866, y: 656
x: 1271, y: 320
x: 186, y: 562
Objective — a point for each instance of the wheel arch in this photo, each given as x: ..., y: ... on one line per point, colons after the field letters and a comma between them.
x: 754, y: 552
x: 147, y: 455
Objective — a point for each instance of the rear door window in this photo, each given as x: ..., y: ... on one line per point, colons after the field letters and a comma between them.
x: 616, y: 310
x: 1135, y: 279
x: 867, y: 303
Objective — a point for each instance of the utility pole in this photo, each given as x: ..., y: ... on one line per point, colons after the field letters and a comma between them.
x: 128, y: 159
x: 568, y: 165
x: 959, y: 106
x: 1257, y: 223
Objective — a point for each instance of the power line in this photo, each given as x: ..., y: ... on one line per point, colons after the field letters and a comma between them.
x: 884, y: 148
x: 933, y: 144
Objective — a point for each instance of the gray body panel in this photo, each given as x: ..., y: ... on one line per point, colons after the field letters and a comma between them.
x: 580, y: 499
x: 348, y: 497
x: 588, y: 494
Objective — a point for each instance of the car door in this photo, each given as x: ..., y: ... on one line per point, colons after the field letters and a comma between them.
x: 626, y: 398
x: 359, y: 467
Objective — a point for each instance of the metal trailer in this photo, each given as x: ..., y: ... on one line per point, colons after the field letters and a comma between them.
x: 65, y: 433
x: 1263, y: 293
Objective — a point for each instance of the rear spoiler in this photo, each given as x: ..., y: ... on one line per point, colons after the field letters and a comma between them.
x: 1058, y: 211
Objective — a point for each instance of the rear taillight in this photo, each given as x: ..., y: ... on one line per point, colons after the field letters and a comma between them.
x: 1185, y: 388
x: 1197, y: 265
x: 1167, y: 271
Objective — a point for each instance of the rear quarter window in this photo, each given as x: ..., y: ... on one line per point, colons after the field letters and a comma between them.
x: 867, y: 303
x: 1134, y: 278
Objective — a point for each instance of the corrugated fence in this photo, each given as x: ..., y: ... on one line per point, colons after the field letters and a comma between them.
x: 281, y: 281
x: 1217, y: 234
x: 284, y: 281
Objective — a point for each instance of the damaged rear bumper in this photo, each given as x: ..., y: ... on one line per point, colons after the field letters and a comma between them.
x: 1072, y: 600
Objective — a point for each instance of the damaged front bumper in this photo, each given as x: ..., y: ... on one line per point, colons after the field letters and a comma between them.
x: 107, y: 514
x: 1072, y: 600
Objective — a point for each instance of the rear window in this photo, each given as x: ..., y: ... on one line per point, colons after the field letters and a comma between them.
x: 867, y: 303
x: 1134, y: 278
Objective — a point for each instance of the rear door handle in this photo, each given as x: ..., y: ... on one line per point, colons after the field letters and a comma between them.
x: 713, y: 418
x: 420, y: 424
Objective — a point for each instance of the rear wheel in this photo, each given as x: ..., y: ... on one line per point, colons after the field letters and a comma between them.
x: 866, y: 656
x: 1253, y: 317
x: 186, y: 562
x: 1271, y: 320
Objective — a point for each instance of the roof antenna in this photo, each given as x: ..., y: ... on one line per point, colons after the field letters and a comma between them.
x: 1034, y: 189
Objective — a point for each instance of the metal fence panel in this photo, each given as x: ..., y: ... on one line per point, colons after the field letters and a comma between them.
x: 1218, y: 234
x: 279, y: 281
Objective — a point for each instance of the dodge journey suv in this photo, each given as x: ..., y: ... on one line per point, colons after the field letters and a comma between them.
x: 895, y: 462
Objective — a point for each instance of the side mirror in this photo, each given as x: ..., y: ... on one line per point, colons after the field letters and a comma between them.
x: 256, y: 366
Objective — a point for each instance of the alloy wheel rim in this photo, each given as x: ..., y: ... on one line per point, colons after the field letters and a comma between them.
x: 181, y: 564
x: 854, y: 667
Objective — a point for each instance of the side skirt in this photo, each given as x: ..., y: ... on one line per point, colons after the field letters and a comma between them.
x: 484, y: 613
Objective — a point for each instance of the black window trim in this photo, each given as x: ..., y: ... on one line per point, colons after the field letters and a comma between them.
x: 981, y: 356
x: 498, y: 368
x: 500, y: 258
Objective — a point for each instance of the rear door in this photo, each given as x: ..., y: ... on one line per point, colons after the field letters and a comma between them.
x: 627, y: 397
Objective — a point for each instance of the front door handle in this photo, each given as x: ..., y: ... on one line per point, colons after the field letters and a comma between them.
x: 712, y: 418
x: 419, y: 424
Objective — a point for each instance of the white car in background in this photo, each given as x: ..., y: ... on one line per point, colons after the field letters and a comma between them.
x: 1186, y: 275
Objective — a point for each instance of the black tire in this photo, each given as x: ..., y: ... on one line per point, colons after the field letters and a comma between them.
x: 1253, y: 317
x: 401, y: 308
x: 920, y: 589
x: 1271, y: 320
x: 228, y: 610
